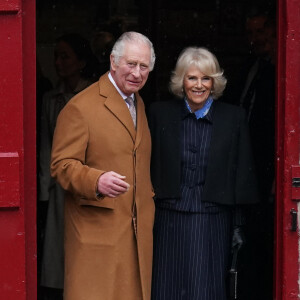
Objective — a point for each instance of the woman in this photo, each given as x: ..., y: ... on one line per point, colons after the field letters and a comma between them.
x: 202, y: 174
x: 76, y: 68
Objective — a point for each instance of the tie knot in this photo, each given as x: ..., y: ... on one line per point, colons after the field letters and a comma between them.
x: 129, y: 101
x: 131, y: 107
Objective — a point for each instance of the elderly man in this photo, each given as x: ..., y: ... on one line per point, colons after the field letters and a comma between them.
x: 101, y: 157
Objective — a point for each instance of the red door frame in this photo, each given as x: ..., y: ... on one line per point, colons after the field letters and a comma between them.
x: 29, y: 127
x: 17, y: 151
x: 288, y: 98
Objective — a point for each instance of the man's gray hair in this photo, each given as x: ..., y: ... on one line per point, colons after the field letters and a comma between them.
x: 129, y: 37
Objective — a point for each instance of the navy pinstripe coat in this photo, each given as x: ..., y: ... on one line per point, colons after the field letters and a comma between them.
x: 191, y: 248
x: 230, y: 177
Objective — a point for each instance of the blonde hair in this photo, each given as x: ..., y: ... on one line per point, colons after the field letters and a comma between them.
x: 207, y: 64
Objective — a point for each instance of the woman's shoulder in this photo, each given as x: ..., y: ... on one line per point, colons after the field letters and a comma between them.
x: 224, y: 107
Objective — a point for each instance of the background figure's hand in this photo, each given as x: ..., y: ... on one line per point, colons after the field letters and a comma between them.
x: 238, y: 238
x: 112, y: 184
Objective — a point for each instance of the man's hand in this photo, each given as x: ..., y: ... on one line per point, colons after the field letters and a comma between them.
x: 112, y: 184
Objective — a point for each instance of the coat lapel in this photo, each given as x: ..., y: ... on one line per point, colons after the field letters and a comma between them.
x: 140, y: 113
x: 219, y: 130
x: 116, y: 104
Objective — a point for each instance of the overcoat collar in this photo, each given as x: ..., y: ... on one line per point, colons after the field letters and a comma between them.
x: 117, y: 106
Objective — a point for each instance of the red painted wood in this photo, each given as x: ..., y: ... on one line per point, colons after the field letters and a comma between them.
x: 12, y: 227
x: 295, y: 174
x: 278, y: 265
x: 10, y: 5
x: 29, y: 126
x: 9, y: 180
x: 286, y: 256
x: 17, y: 151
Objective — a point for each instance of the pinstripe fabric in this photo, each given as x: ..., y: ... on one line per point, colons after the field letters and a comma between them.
x: 190, y: 255
x: 195, y: 144
x: 191, y: 237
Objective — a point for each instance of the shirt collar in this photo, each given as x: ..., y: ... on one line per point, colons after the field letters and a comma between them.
x: 117, y: 88
x: 203, y: 112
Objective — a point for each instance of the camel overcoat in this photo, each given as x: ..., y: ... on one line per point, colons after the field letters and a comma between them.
x: 104, y: 259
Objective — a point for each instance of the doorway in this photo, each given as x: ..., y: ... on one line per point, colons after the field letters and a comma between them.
x: 171, y: 25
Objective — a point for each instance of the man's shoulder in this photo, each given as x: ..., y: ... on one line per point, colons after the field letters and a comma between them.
x: 84, y: 102
x: 86, y: 95
x: 94, y: 90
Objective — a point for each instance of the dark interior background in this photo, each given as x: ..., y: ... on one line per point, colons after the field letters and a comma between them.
x: 173, y: 25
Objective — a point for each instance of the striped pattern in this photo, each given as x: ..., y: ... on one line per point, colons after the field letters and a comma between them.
x: 195, y: 137
x: 191, y: 238
x: 190, y: 255
x: 195, y: 144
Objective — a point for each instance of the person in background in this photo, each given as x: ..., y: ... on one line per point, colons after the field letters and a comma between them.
x: 255, y: 92
x: 102, y: 44
x: 43, y: 85
x: 104, y: 37
x: 101, y: 157
x: 258, y: 99
x: 76, y: 68
x: 203, y: 175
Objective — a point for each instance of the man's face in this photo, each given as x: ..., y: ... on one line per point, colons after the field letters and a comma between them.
x: 256, y: 34
x: 132, y: 70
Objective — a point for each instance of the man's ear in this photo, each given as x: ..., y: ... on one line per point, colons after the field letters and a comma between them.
x: 113, y: 65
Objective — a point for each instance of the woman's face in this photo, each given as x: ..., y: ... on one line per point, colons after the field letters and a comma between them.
x: 197, y: 87
x: 67, y: 63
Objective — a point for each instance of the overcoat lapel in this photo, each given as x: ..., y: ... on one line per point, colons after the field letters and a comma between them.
x: 140, y: 113
x: 219, y: 131
x: 118, y: 107
x: 116, y: 104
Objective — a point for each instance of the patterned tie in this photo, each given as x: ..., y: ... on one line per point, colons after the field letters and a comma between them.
x: 132, y: 110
